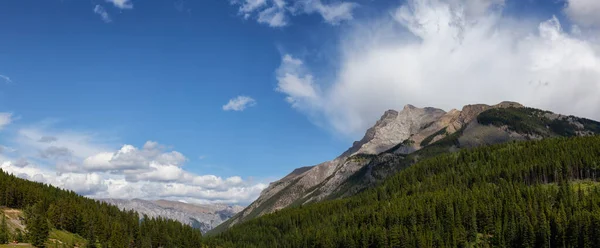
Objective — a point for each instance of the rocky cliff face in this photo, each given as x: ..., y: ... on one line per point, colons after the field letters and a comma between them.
x: 204, y: 217
x: 392, y: 141
x: 316, y: 182
x: 395, y: 127
x: 447, y: 124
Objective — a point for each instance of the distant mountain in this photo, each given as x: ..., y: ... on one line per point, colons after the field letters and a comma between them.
x: 401, y: 138
x: 202, y: 216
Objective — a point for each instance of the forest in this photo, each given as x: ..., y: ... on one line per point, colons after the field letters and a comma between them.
x: 46, y: 207
x: 520, y: 194
x: 542, y: 193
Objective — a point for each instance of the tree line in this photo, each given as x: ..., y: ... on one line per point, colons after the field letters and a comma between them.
x: 102, y: 225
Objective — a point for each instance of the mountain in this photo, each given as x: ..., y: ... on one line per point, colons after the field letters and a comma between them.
x: 537, y: 193
x: 402, y: 138
x: 200, y: 216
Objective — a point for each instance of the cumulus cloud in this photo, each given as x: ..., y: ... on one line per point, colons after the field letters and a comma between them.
x: 102, y: 13
x: 121, y: 4
x: 239, y: 103
x: 203, y: 189
x: 5, y: 119
x: 448, y: 53
x: 584, y: 12
x: 276, y: 13
x: 149, y: 163
x: 82, y: 162
x: 85, y: 184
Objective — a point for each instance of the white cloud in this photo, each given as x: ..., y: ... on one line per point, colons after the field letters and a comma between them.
x: 333, y: 13
x: 447, y: 54
x: 5, y: 119
x: 121, y: 4
x: 273, y: 16
x: 85, y: 184
x: 149, y: 163
x: 251, y: 5
x: 82, y: 162
x: 295, y: 81
x: 79, y: 144
x: 102, y: 13
x: 276, y: 13
x: 5, y: 78
x: 584, y: 12
x: 239, y: 103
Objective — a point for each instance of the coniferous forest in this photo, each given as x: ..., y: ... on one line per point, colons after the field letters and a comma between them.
x: 102, y: 225
x: 521, y: 194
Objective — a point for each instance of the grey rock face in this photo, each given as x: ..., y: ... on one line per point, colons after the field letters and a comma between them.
x: 204, y: 217
x: 395, y: 127
x: 315, y: 183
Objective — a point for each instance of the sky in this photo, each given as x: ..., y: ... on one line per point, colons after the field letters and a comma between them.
x: 209, y: 101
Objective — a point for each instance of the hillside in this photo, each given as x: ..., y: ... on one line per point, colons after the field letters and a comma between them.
x: 542, y: 193
x: 17, y: 228
x: 401, y: 138
x: 202, y: 216
x: 47, y: 213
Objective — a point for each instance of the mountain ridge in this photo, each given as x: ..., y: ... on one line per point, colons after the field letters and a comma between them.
x: 400, y: 136
x: 200, y: 216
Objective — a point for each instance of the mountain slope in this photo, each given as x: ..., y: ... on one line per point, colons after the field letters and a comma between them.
x: 399, y: 139
x: 204, y: 217
x: 543, y: 193
x: 17, y: 230
x: 393, y: 127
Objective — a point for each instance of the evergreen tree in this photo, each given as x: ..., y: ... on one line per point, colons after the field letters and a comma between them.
x: 37, y: 226
x: 4, y: 234
x: 19, y: 236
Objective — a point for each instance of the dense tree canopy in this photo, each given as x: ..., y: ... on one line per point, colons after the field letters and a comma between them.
x: 528, y: 194
x: 101, y: 224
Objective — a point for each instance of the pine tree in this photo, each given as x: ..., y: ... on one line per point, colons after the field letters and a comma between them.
x: 37, y: 226
x: 19, y: 236
x: 3, y: 229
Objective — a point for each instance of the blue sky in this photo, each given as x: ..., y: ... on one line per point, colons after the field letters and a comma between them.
x: 106, y: 79
x: 160, y: 74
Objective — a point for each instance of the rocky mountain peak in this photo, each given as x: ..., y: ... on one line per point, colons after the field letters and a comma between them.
x: 389, y: 114
x: 393, y: 128
x: 509, y: 104
x: 409, y: 107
